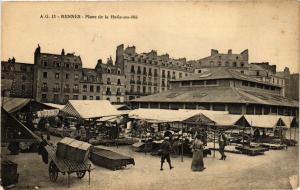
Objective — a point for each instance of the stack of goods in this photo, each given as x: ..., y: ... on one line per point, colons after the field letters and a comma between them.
x: 9, y: 173
x: 72, y: 149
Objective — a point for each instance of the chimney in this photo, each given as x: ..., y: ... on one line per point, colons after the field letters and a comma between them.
x: 214, y: 52
x: 99, y: 61
x: 230, y: 51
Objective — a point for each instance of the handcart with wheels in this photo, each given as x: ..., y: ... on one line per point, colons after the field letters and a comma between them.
x: 65, y: 166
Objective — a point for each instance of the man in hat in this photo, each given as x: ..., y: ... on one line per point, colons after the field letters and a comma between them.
x: 222, y: 144
x: 165, y: 153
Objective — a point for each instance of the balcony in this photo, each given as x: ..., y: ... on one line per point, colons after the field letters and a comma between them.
x: 163, y: 76
x: 155, y: 75
x: 138, y: 82
x: 108, y: 82
x: 145, y: 82
x: 67, y: 90
x: 168, y: 76
x: 119, y: 84
x: 155, y: 84
x: 132, y: 81
x: 75, y: 90
x: 108, y: 93
x: 56, y: 89
x: 84, y: 90
x: 44, y: 89
x: 150, y: 83
x: 119, y: 93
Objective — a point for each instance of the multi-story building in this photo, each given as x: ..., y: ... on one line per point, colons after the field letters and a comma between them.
x: 21, y: 75
x: 113, y: 86
x: 90, y: 85
x: 222, y: 89
x: 149, y: 73
x: 57, y: 76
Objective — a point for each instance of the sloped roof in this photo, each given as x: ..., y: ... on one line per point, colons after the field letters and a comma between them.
x: 14, y: 104
x: 86, y: 109
x: 218, y: 94
x: 222, y: 73
x: 58, y: 106
x: 287, y: 120
x: 264, y: 121
x: 162, y: 115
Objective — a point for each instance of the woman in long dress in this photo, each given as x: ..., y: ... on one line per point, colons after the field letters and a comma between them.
x: 197, y: 148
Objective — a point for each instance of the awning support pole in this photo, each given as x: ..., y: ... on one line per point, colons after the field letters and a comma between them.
x: 182, y: 142
x: 214, y: 140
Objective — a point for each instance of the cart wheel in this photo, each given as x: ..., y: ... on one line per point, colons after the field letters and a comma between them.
x: 53, y: 171
x: 80, y: 174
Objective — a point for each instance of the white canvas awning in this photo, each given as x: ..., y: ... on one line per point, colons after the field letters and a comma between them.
x: 287, y: 120
x: 264, y: 121
x: 48, y: 113
x: 57, y: 106
x: 87, y: 109
x: 14, y: 104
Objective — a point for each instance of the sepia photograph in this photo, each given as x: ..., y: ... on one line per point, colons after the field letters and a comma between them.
x: 128, y: 95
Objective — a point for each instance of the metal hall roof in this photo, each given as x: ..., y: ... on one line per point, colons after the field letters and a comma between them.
x: 219, y: 94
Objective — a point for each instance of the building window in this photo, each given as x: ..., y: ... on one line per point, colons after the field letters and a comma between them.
x: 76, y: 86
x: 138, y: 89
x: 57, y: 75
x: 108, y: 80
x: 144, y: 89
x: 118, y: 99
x: 242, y: 64
x: 57, y: 64
x: 163, y: 73
x: 155, y: 72
x: 155, y: 89
x: 84, y: 88
x: 56, y: 85
x: 108, y: 70
x: 56, y: 99
x: 131, y: 88
x: 149, y: 90
x: 234, y: 64
x: 119, y: 81
x: 23, y: 87
x: 44, y: 75
x: 119, y: 72
x: 108, y: 99
x: 242, y: 71
x: 67, y: 76
x: 198, y: 82
x: 76, y: 66
x: 84, y: 97
x: 76, y: 76
x: 145, y: 71
x: 91, y: 88
x: 257, y: 73
x: 245, y: 83
x: 45, y: 63
x: 132, y: 69
x: 44, y: 85
x: 108, y: 92
x: 185, y: 83
x: 199, y: 71
x: 75, y: 97
x: 211, y: 82
x: 98, y: 88
x: 44, y: 97
x: 139, y: 70
x: 68, y: 65
x: 97, y: 97
x: 91, y: 97
x: 23, y: 78
x: 180, y: 75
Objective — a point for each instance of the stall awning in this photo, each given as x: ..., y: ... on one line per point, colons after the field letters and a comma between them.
x: 265, y: 121
x: 163, y: 115
x: 88, y: 109
x: 57, y: 106
x: 14, y: 104
x: 287, y: 120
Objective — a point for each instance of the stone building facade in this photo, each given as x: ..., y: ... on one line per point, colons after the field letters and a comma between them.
x: 149, y: 73
x: 21, y: 75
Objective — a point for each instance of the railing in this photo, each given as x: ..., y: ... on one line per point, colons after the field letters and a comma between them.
x: 56, y: 89
x: 138, y: 82
x: 44, y: 89
x: 67, y: 90
x: 132, y: 81
x: 76, y: 90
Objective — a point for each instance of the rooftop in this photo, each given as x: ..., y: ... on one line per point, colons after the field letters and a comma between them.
x: 218, y: 94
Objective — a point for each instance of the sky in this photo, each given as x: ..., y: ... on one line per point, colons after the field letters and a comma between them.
x: 268, y: 29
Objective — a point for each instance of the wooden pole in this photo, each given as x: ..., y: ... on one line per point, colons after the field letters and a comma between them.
x: 214, y: 139
x: 182, y: 142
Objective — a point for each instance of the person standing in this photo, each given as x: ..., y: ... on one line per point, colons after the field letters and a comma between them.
x: 165, y: 153
x: 222, y: 144
x: 197, y: 149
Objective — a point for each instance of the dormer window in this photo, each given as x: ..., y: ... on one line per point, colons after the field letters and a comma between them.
x: 119, y: 71
x: 108, y: 70
x: 257, y: 73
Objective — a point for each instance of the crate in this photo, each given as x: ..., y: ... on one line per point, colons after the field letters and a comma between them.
x: 72, y: 149
x: 9, y: 173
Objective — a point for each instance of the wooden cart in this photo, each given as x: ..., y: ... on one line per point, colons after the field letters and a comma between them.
x: 65, y: 166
